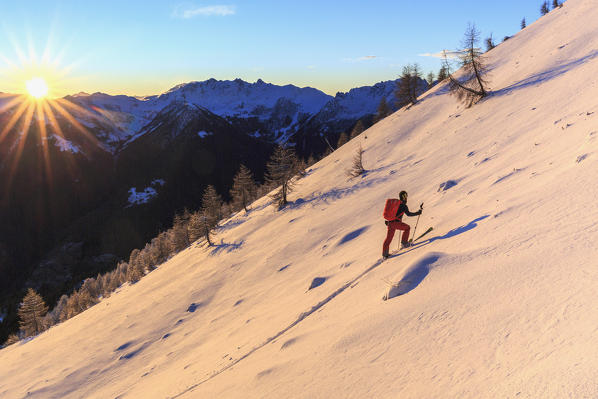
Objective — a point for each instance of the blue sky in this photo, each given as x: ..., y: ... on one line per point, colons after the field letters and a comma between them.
x: 146, y: 47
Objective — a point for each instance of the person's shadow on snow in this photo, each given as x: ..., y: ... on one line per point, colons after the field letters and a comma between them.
x: 418, y: 271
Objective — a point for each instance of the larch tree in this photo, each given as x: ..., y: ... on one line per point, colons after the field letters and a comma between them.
x: 430, y: 78
x: 357, y: 166
x: 471, y: 86
x: 383, y: 110
x: 282, y: 169
x: 490, y: 43
x: 442, y: 73
x: 243, y: 189
x: 31, y: 313
x: 210, y: 212
x: 357, y: 129
x: 407, y: 86
x: 342, y: 140
x: 544, y: 8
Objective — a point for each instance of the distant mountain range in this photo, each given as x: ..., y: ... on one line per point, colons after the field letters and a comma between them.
x: 262, y: 110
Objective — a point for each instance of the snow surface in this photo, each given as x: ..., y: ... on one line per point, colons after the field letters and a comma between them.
x: 204, y: 134
x: 65, y: 145
x: 498, y: 302
x: 143, y: 197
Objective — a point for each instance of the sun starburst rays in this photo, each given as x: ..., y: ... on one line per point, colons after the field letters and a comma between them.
x: 36, y: 117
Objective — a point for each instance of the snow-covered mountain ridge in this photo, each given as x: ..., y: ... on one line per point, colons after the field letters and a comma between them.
x: 498, y: 302
x: 282, y: 109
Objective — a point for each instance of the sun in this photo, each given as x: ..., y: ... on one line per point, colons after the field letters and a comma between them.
x: 37, y: 87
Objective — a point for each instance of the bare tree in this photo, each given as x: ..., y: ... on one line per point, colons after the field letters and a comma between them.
x: 243, y: 190
x: 471, y: 86
x: 357, y: 167
x: 283, y: 168
x: 31, y: 313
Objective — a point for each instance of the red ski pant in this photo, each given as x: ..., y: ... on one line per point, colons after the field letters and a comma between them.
x: 392, y: 226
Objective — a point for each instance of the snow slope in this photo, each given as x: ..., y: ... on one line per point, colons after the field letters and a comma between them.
x: 498, y: 302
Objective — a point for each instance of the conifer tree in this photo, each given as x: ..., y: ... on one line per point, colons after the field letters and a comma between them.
x: 179, y: 237
x: 430, y: 78
x: 211, y: 206
x: 282, y: 169
x: 490, y: 43
x: 195, y: 230
x: 523, y: 23
x: 383, y: 110
x: 342, y: 140
x: 357, y: 167
x: 442, y: 73
x: 407, y: 86
x: 472, y: 85
x: 31, y: 313
x: 243, y: 189
x: 556, y: 4
x: 357, y: 129
x: 544, y: 8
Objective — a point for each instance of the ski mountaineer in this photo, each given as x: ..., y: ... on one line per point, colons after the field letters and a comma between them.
x: 398, y: 224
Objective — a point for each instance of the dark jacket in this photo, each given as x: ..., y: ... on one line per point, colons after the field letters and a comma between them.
x: 404, y: 210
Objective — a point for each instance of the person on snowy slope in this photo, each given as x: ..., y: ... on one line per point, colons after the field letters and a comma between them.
x: 397, y: 224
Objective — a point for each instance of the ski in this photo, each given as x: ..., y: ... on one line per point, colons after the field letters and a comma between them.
x: 423, y: 234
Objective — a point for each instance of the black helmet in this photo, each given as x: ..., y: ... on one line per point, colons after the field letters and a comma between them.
x: 403, y: 196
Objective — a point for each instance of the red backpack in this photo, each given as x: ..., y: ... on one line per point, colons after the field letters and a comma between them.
x: 391, y: 208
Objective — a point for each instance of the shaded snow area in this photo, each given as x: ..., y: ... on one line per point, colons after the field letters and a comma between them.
x: 204, y: 134
x: 143, y: 197
x: 498, y: 301
x: 65, y: 145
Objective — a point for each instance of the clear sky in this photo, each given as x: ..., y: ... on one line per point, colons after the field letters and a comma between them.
x: 146, y: 47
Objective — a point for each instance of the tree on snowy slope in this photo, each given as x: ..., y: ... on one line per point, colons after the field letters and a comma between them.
x: 406, y: 91
x: 202, y: 223
x: 31, y: 313
x: 430, y: 79
x: 490, y: 43
x: 342, y: 140
x: 283, y: 167
x: 472, y: 86
x: 544, y: 8
x: 442, y: 73
x: 523, y: 23
x: 179, y: 237
x: 243, y: 189
x: 357, y: 129
x: 357, y: 167
x: 382, y: 112
x: 556, y: 4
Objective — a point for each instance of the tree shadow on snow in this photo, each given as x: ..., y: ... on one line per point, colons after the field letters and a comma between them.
x: 546, y: 75
x: 335, y: 194
x: 225, y: 247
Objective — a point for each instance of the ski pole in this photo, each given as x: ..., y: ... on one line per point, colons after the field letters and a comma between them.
x: 415, y: 229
